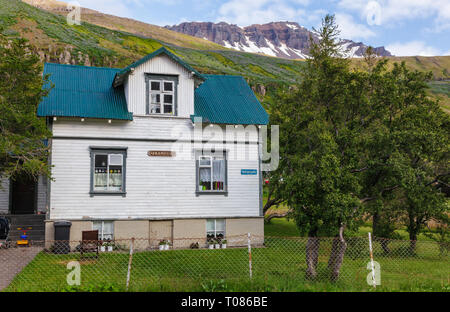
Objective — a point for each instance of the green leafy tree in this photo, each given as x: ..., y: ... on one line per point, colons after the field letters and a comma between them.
x: 354, y: 143
x: 22, y: 133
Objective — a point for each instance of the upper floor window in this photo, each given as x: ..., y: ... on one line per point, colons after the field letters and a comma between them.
x: 162, y: 94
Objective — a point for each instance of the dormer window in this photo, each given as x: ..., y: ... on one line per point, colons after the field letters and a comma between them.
x: 162, y: 91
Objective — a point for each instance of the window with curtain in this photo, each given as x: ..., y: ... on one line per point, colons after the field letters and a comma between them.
x: 215, y: 228
x: 105, y: 230
x: 211, y: 172
x: 108, y: 171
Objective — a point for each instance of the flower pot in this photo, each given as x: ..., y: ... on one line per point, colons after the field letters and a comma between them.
x: 211, y: 246
x: 102, y: 248
x: 110, y: 248
x: 217, y: 246
x: 224, y: 246
x: 161, y: 247
x: 166, y: 247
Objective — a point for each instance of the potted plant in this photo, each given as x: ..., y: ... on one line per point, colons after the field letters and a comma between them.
x: 217, y: 244
x: 211, y: 244
x: 103, y: 247
x: 224, y: 243
x: 167, y: 246
x: 162, y: 245
x: 110, y: 246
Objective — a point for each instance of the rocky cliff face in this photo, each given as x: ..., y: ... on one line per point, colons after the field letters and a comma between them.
x: 280, y: 39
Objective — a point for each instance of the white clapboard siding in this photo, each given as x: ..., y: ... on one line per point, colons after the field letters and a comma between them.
x: 4, y: 195
x: 157, y: 187
x: 41, y: 194
x: 135, y: 88
x: 149, y: 128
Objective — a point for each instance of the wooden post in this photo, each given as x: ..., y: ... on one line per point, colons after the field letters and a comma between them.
x: 130, y: 261
x: 371, y: 261
x: 249, y: 255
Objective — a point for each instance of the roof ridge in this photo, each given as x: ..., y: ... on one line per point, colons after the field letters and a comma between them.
x: 82, y: 66
x: 217, y: 75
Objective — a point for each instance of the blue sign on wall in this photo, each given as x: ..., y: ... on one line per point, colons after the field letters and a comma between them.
x: 249, y: 171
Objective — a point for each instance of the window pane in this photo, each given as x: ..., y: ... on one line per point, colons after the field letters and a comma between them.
x: 155, y: 98
x: 108, y: 230
x: 100, y: 172
x: 115, y: 178
x: 218, y: 174
x: 168, y: 86
x: 97, y: 226
x: 155, y: 109
x: 205, y: 179
x: 168, y: 109
x: 155, y: 86
x: 210, y: 225
x: 205, y: 161
x: 168, y: 98
x: 115, y: 159
x: 220, y: 225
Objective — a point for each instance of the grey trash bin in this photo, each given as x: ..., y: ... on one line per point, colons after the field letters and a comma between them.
x: 62, y: 237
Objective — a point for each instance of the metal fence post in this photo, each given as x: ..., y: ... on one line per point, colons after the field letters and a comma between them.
x: 249, y: 242
x: 371, y: 261
x: 130, y: 261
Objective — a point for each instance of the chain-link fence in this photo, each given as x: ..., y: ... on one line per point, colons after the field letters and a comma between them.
x: 256, y: 262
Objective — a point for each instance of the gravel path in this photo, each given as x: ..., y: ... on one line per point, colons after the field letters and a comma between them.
x: 13, y: 260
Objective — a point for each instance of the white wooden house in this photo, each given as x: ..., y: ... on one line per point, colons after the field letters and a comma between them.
x: 155, y: 151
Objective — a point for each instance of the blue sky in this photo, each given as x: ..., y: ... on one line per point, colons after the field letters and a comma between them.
x: 405, y: 27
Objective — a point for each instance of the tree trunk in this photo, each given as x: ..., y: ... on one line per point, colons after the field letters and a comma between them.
x: 312, y: 257
x: 337, y: 255
x: 412, y: 242
x: 384, y: 242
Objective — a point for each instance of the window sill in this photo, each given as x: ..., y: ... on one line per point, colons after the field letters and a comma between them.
x: 123, y: 194
x: 198, y: 193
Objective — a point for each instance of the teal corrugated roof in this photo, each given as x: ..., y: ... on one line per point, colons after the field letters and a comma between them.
x: 120, y: 75
x: 81, y: 91
x: 222, y: 99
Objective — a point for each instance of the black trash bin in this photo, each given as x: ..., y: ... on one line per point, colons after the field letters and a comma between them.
x: 62, y: 237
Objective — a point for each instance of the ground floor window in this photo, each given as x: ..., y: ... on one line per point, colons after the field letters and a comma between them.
x: 215, y: 228
x: 108, y: 171
x: 105, y: 230
x: 211, y: 172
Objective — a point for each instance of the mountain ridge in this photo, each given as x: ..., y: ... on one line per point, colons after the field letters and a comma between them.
x: 280, y: 39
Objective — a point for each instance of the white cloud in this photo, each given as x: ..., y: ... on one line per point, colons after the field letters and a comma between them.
x: 394, y: 11
x: 412, y: 48
x: 350, y: 29
x: 247, y: 12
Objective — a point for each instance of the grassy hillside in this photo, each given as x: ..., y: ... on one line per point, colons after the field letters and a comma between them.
x: 90, y: 44
x: 110, y: 41
x: 130, y: 25
x: 438, y: 65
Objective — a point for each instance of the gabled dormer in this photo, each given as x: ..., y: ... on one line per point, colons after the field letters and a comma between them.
x: 159, y: 84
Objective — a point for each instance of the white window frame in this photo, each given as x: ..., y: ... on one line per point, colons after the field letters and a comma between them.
x: 162, y: 92
x: 211, y: 167
x: 101, y: 232
x: 107, y: 151
x: 108, y: 173
x: 215, y: 227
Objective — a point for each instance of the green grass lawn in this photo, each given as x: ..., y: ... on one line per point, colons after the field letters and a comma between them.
x: 285, y: 227
x: 278, y: 266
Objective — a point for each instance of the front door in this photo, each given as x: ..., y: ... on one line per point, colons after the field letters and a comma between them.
x: 23, y: 195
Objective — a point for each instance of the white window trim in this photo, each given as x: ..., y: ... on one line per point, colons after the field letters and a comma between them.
x: 102, y: 226
x: 162, y: 92
x: 211, y: 158
x: 215, y: 227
